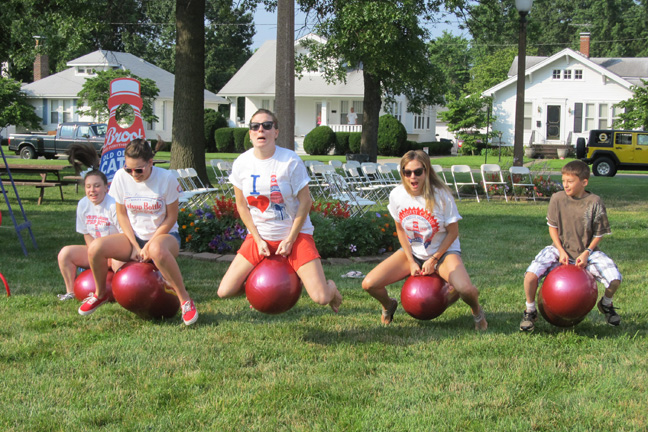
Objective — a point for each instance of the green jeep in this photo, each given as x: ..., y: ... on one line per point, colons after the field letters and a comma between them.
x: 611, y: 150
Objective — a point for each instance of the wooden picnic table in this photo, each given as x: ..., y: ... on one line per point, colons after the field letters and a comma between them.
x: 42, y: 170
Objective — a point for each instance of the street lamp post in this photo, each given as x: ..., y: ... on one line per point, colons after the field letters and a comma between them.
x: 523, y: 7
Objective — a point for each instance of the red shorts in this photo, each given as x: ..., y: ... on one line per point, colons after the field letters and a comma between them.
x: 303, y: 250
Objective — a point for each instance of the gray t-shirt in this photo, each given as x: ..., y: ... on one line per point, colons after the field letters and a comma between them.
x: 578, y: 220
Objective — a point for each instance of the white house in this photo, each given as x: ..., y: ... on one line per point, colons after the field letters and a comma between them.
x: 55, y: 96
x: 316, y: 101
x: 566, y: 95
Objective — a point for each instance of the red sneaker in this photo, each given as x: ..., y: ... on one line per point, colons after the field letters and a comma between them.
x: 189, y: 312
x: 91, y: 303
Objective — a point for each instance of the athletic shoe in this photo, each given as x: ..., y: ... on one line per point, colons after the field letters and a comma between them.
x: 528, y: 321
x: 611, y: 316
x: 91, y: 303
x: 388, y: 314
x: 189, y: 312
x: 66, y: 296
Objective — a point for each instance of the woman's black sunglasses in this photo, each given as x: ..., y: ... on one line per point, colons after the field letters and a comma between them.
x: 266, y: 125
x: 136, y: 170
x: 417, y: 172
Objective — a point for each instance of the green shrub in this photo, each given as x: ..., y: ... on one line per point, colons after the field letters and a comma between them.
x: 239, y: 139
x: 392, y: 136
x: 213, y: 121
x: 224, y: 138
x: 247, y: 142
x: 319, y: 141
x: 354, y: 142
x: 342, y: 143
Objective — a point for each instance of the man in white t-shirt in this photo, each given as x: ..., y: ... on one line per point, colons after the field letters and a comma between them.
x: 352, y: 117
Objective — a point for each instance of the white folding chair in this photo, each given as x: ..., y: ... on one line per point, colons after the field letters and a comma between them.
x: 438, y: 170
x: 335, y: 163
x: 387, y: 175
x: 372, y: 178
x: 318, y: 183
x: 521, y: 177
x: 492, y: 176
x: 341, y: 191
x: 225, y: 169
x: 201, y: 193
x: 358, y: 182
x: 186, y: 195
x: 394, y: 167
x: 464, y: 171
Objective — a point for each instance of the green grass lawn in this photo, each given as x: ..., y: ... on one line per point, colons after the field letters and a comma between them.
x: 312, y: 370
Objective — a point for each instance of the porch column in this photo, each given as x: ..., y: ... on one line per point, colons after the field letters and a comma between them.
x: 324, y: 114
x: 233, y: 110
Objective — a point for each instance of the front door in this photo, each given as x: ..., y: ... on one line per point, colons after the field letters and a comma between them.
x: 553, y: 122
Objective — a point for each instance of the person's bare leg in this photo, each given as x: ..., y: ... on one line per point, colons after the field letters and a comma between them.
x: 163, y: 250
x: 454, y: 272
x: 319, y: 289
x: 69, y: 258
x: 232, y: 283
x: 114, y: 246
x: 391, y: 270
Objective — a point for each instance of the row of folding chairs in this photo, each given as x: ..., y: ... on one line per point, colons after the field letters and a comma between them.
x: 491, y: 177
x: 194, y: 193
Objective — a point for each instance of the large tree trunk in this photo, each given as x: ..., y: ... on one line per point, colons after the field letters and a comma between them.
x: 371, y: 108
x: 285, y: 73
x: 188, y: 148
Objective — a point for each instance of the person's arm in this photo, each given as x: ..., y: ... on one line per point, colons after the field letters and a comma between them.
x: 305, y: 204
x: 246, y: 217
x: 452, y: 232
x: 581, y: 261
x: 555, y: 238
x: 407, y: 248
x: 88, y: 239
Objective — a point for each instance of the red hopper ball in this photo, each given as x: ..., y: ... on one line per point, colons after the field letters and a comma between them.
x: 273, y: 287
x: 427, y: 297
x: 84, y: 285
x: 567, y: 295
x: 140, y: 288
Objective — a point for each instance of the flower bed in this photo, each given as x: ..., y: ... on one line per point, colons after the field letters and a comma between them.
x: 218, y: 229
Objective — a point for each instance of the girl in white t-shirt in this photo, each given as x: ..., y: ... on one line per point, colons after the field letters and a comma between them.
x: 273, y: 200
x: 147, y: 210
x: 96, y: 217
x: 427, y: 226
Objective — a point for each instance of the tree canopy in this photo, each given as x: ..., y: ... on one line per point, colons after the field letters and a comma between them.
x: 93, y: 97
x: 635, y: 109
x: 384, y: 39
x: 14, y: 108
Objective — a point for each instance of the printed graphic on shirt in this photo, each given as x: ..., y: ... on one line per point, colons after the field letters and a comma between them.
x: 144, y: 204
x: 419, y: 224
x: 274, y: 203
x: 100, y: 224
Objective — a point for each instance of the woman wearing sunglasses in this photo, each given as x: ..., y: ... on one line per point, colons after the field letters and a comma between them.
x: 147, y: 210
x: 273, y: 201
x: 427, y: 226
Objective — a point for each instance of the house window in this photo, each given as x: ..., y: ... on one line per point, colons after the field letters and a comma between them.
x: 590, y: 112
x: 556, y: 74
x: 567, y: 75
x: 615, y: 113
x: 603, y: 116
x: 68, y: 112
x: 54, y: 115
x: 358, y: 108
x: 265, y: 104
x: 420, y: 121
x: 395, y: 110
x: 344, y: 110
x: 578, y: 74
x: 528, y: 114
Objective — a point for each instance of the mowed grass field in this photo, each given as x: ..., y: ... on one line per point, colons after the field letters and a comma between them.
x: 311, y: 370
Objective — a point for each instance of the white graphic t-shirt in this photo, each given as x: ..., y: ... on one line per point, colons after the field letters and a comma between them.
x: 270, y: 187
x: 146, y: 201
x: 425, y: 231
x: 97, y: 220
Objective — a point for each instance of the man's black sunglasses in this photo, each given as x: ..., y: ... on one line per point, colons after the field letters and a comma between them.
x: 266, y: 125
x: 136, y: 170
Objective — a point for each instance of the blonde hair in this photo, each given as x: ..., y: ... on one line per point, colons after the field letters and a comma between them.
x: 432, y: 182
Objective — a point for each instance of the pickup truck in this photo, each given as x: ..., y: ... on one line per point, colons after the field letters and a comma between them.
x: 31, y: 146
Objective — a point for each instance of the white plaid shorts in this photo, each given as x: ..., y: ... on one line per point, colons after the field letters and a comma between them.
x: 599, y: 265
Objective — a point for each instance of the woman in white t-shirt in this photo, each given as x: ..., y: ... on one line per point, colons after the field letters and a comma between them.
x: 96, y: 217
x: 147, y: 210
x: 426, y: 220
x: 273, y: 200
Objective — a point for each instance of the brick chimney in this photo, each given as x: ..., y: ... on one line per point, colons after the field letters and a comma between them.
x: 41, y: 63
x: 585, y: 44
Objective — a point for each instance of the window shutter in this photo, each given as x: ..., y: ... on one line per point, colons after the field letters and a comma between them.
x: 578, y: 117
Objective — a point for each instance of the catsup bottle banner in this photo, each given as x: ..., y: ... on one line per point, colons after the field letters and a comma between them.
x: 122, y: 91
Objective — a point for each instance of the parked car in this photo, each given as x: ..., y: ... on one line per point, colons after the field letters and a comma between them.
x: 610, y: 150
x: 31, y: 146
